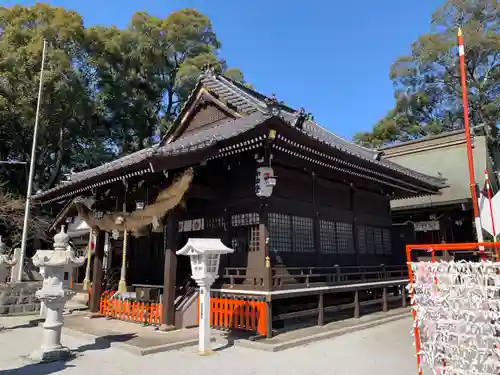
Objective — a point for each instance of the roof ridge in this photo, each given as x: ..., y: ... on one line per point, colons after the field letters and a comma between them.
x: 247, y: 97
x: 293, y: 111
x: 370, y: 150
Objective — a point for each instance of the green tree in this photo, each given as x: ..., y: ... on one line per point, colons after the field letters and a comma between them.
x: 107, y: 91
x: 67, y: 102
x: 145, y: 72
x: 427, y: 82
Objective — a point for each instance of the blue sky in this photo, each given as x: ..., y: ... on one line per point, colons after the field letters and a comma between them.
x: 331, y: 56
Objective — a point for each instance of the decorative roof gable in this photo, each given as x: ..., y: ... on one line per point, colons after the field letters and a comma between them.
x: 244, y: 101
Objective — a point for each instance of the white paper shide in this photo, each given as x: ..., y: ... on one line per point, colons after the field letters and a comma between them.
x: 457, y: 307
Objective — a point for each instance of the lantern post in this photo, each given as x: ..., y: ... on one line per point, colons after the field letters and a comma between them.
x: 204, y: 254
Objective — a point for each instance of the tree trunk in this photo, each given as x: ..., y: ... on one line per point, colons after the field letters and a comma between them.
x: 57, y: 167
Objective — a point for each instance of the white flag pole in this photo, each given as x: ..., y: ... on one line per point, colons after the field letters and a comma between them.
x: 31, y: 174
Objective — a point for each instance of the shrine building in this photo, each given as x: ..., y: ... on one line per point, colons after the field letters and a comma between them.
x: 303, y: 208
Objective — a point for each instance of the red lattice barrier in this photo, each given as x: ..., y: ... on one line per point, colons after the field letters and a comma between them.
x: 228, y: 313
x: 130, y: 310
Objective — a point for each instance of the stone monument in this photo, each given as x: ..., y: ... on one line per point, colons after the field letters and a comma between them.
x: 57, y: 265
x: 5, y: 262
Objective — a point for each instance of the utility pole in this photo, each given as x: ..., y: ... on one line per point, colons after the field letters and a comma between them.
x: 470, y: 160
x: 24, y: 239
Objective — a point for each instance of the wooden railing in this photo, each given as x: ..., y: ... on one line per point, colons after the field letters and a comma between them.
x: 356, y: 305
x: 239, y: 276
x: 307, y: 276
x: 283, y: 277
x: 238, y: 314
x: 130, y: 310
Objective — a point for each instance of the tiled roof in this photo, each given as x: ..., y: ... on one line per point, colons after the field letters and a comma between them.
x: 248, y: 101
x: 253, y: 106
x: 197, y: 141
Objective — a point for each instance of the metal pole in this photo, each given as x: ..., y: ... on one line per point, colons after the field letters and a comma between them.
x: 472, y: 180
x: 32, y: 171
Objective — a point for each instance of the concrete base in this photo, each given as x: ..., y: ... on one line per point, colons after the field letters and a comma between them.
x: 166, y: 328
x: 304, y: 336
x: 122, y: 286
x: 94, y: 315
x: 43, y: 356
x: 206, y: 354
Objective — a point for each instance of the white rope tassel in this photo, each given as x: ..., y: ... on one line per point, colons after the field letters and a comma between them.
x: 457, y: 307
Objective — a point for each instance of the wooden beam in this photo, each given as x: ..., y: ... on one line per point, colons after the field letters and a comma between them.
x: 321, y: 310
x: 97, y: 272
x: 202, y: 192
x: 170, y: 271
x: 356, y: 304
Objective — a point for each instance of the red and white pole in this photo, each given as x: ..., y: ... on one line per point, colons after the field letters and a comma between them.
x: 470, y: 160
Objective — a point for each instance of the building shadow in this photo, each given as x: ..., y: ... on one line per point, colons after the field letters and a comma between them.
x: 231, y: 337
x: 38, y: 369
x: 31, y: 324
x: 104, y: 342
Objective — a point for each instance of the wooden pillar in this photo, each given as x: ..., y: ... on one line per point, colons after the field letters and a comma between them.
x: 264, y: 247
x: 170, y: 270
x: 403, y: 296
x: 227, y: 238
x: 384, y: 300
x: 356, y: 304
x: 316, y: 227
x: 266, y: 264
x: 352, y: 206
x: 321, y: 310
x: 97, y: 272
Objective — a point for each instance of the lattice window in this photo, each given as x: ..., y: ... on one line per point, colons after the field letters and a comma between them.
x: 280, y: 232
x: 344, y: 237
x: 214, y: 222
x: 328, y: 236
x: 386, y: 237
x: 379, y: 244
x: 361, y: 239
x: 254, y: 238
x: 370, y: 240
x: 303, y: 234
x: 239, y: 220
x: 245, y: 238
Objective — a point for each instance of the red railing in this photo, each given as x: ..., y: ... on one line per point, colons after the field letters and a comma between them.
x: 229, y: 313
x: 130, y: 310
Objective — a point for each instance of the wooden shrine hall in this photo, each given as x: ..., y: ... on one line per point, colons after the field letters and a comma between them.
x: 301, y: 207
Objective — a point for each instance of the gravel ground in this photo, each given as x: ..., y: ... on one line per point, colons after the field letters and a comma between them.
x: 384, y: 350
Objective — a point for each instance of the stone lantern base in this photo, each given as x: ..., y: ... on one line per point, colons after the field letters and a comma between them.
x: 50, y: 355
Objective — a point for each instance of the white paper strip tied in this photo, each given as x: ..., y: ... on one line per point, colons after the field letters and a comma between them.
x: 457, y: 307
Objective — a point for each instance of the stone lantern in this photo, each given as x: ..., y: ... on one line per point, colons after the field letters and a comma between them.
x: 57, y: 265
x: 204, y: 254
x: 5, y: 262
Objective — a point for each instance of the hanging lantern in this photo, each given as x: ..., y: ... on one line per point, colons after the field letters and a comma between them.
x: 265, y: 181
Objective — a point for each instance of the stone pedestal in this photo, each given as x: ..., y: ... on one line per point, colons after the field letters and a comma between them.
x: 51, y: 349
x: 5, y: 264
x: 204, y: 331
x: 54, y: 294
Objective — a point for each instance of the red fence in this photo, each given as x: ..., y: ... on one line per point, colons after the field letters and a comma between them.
x: 130, y: 310
x: 228, y: 313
